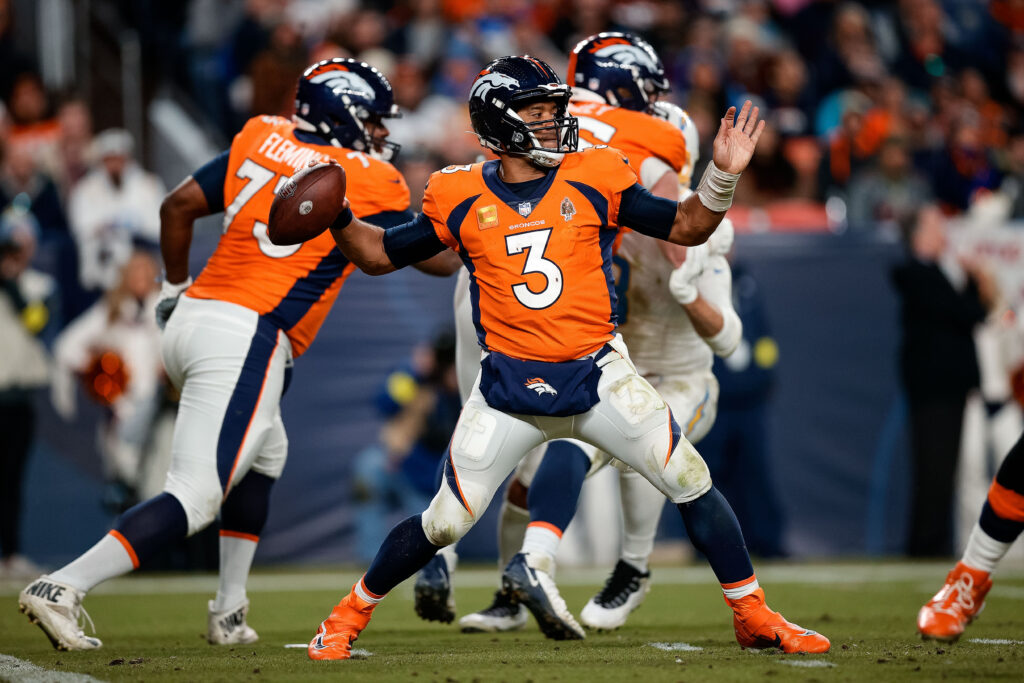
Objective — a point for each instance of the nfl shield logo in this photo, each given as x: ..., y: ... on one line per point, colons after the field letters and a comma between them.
x: 525, y: 208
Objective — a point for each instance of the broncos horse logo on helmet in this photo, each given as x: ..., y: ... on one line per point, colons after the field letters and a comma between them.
x: 619, y: 69
x: 337, y: 98
x: 507, y: 85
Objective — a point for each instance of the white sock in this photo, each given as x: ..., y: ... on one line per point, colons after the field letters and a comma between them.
x: 451, y: 558
x: 641, y: 510
x: 236, y: 553
x: 364, y: 594
x: 511, y: 531
x: 541, y: 542
x: 105, y: 560
x: 741, y: 589
x: 983, y: 552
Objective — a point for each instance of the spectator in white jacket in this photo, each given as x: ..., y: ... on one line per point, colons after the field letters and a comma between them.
x: 114, y: 347
x: 114, y: 207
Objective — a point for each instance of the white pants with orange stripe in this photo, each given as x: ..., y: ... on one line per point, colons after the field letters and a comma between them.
x: 631, y: 422
x: 230, y: 367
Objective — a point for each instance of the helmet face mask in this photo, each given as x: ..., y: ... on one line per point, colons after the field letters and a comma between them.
x: 505, y: 89
x: 620, y: 69
x: 345, y: 102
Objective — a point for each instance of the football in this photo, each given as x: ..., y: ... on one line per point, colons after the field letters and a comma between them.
x: 305, y: 205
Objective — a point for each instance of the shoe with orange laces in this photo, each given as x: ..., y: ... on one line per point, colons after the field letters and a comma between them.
x: 757, y: 626
x: 334, y: 638
x: 959, y: 601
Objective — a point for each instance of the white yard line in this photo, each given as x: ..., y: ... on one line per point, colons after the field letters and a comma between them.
x: 19, y: 671
x: 996, y: 641
x: 675, y: 647
x: 808, y: 663
x: 267, y: 580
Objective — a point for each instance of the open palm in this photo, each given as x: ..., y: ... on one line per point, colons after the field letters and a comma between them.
x: 735, y: 142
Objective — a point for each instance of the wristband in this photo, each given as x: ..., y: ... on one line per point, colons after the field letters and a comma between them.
x: 716, y: 188
x: 343, y: 219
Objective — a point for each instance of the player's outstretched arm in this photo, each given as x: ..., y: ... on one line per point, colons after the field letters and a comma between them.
x: 361, y: 243
x: 699, y: 215
x: 442, y: 265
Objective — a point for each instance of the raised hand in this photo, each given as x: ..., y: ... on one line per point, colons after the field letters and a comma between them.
x: 734, y: 144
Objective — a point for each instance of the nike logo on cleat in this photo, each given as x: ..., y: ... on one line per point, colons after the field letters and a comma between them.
x: 42, y: 589
x: 809, y: 633
x: 778, y: 640
x: 232, y: 621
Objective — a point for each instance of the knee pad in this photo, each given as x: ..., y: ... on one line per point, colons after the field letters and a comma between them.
x: 686, y: 475
x: 200, y: 499
x: 446, y: 519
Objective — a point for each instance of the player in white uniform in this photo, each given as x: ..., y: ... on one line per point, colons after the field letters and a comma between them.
x: 674, y: 318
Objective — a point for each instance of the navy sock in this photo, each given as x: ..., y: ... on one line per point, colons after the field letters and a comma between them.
x: 555, y: 490
x: 247, y: 505
x: 1002, y: 529
x: 151, y: 525
x: 403, y: 553
x: 715, y: 532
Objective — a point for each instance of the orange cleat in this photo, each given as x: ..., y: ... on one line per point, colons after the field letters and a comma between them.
x: 757, y: 626
x: 959, y: 601
x: 334, y: 638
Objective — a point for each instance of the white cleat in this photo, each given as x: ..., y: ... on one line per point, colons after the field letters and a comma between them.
x: 56, y: 608
x: 625, y: 589
x: 228, y: 627
x: 501, y: 616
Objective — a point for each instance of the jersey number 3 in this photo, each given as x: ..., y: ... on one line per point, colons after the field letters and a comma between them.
x: 534, y: 243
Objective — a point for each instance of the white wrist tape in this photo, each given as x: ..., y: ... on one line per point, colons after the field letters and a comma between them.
x: 171, y: 291
x: 716, y: 188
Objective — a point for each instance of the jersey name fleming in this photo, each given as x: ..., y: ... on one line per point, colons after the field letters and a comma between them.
x: 284, y: 151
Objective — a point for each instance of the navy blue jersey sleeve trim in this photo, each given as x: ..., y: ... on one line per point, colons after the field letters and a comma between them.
x: 645, y: 213
x: 412, y: 242
x: 211, y: 177
x: 390, y: 219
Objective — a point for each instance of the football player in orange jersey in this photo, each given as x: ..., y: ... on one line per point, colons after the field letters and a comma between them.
x: 674, y: 320
x: 232, y: 337
x: 535, y: 229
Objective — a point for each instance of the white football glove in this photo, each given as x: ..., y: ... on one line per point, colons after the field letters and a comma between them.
x: 168, y: 300
x: 683, y: 281
x: 720, y: 242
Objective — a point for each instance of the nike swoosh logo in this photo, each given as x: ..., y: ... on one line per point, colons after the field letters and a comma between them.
x: 533, y: 579
x: 719, y: 270
x: 778, y: 640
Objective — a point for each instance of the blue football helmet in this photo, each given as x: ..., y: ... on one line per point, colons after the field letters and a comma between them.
x: 335, y: 100
x: 620, y: 69
x: 509, y: 84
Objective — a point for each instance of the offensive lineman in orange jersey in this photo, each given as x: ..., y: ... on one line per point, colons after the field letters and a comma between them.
x: 535, y: 229
x: 233, y: 335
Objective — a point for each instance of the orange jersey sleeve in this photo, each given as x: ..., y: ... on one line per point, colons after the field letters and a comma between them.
x: 640, y: 136
x: 294, y: 286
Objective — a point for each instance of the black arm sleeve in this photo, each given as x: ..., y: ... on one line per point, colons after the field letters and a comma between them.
x: 645, y: 213
x: 412, y: 242
x: 210, y: 177
x: 390, y: 219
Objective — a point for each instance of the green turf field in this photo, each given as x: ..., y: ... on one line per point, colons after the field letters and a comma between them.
x: 153, y: 629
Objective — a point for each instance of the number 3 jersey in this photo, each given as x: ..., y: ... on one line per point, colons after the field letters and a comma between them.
x: 293, y: 286
x: 540, y: 266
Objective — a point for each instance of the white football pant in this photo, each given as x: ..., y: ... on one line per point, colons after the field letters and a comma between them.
x: 230, y: 368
